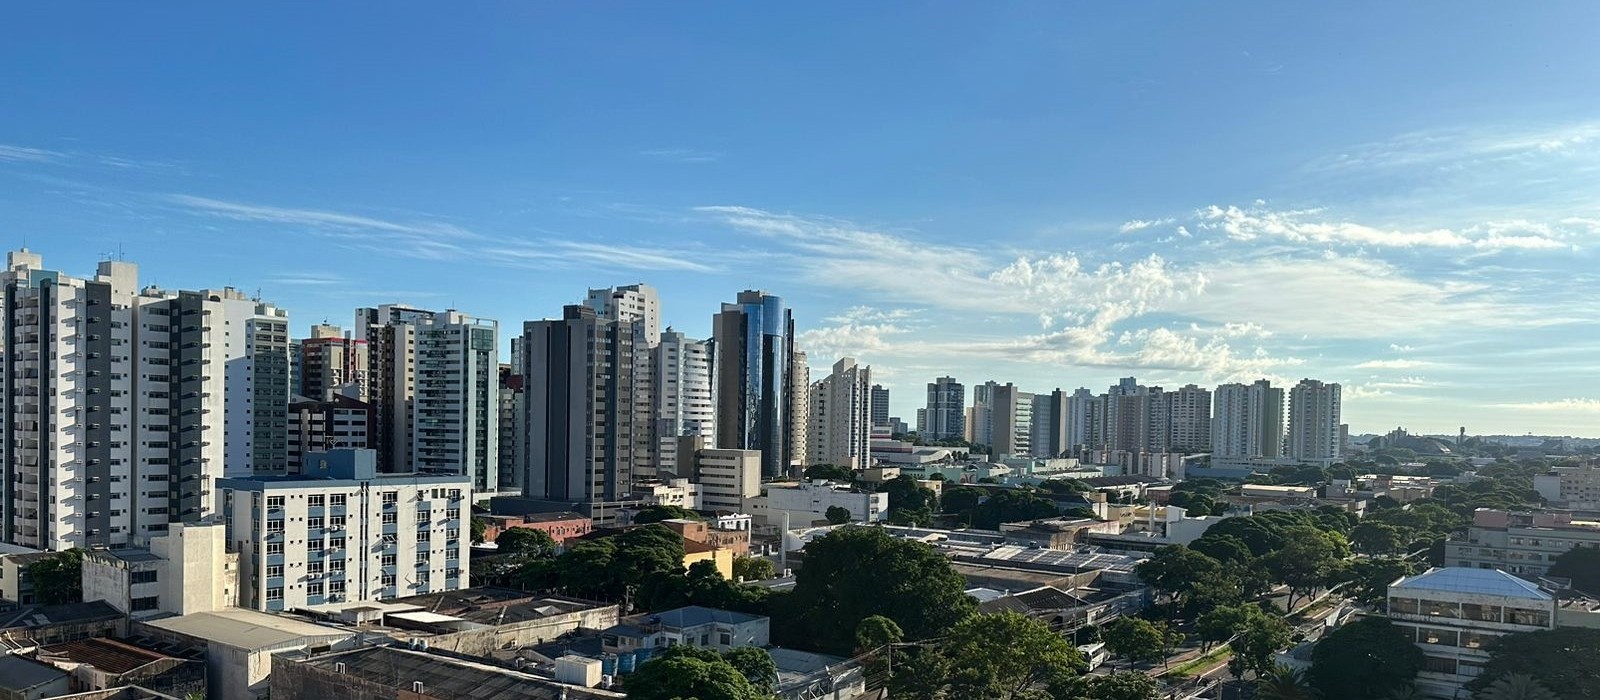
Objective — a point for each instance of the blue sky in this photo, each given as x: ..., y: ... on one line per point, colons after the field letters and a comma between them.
x: 1397, y: 196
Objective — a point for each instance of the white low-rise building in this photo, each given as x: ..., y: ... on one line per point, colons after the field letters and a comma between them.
x: 808, y: 502
x: 341, y: 531
x: 188, y: 570
x: 1454, y: 614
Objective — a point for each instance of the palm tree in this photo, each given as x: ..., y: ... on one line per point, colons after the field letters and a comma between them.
x: 1284, y: 683
x: 1515, y: 686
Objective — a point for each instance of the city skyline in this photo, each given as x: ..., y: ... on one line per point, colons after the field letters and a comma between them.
x: 1304, y: 210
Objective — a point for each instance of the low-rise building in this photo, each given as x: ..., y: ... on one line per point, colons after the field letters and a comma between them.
x: 559, y: 526
x: 679, y: 493
x: 318, y: 425
x: 184, y: 571
x: 239, y: 644
x: 98, y: 664
x: 343, y: 531
x: 1523, y: 543
x: 392, y: 673
x: 26, y: 679
x: 1575, y: 486
x: 1454, y: 614
x: 807, y: 503
x: 696, y: 626
x: 33, y: 625
x: 728, y: 479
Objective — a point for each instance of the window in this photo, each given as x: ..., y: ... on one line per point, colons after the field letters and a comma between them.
x: 452, y: 514
x: 274, y: 525
x: 143, y: 576
x: 274, y: 548
x: 455, y: 494
x: 314, y: 523
x: 274, y: 571
x: 388, y: 580
x: 391, y: 496
x: 147, y: 603
x: 336, y: 499
x: 275, y: 593
x: 274, y: 502
x: 725, y: 639
x: 389, y: 540
x: 390, y: 518
x: 314, y: 588
x: 314, y: 567
x: 336, y: 521
x: 335, y: 586
x: 336, y: 565
x: 387, y: 560
x: 314, y: 501
x: 314, y: 545
x: 336, y: 543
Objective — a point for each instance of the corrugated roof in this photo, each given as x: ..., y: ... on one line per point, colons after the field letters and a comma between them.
x: 1460, y: 579
x: 17, y: 673
x: 245, y: 629
x: 107, y: 655
x: 442, y: 677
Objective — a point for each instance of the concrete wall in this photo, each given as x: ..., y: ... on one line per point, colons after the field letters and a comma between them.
x: 481, y: 642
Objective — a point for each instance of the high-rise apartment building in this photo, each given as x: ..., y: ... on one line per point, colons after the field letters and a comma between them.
x: 577, y: 441
x: 880, y: 405
x: 1314, y: 415
x: 1081, y: 423
x: 331, y: 361
x: 1247, y: 421
x: 945, y: 417
x: 1188, y: 420
x: 754, y: 367
x: 1012, y: 420
x: 680, y: 398
x: 122, y: 407
x: 841, y: 416
x: 344, y: 532
x: 799, y: 411
x: 980, y: 420
x: 635, y: 309
x: 511, y: 406
x: 435, y: 384
x: 340, y: 422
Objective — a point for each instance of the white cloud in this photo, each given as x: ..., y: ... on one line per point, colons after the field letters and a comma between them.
x: 1305, y: 226
x: 1400, y: 348
x: 1142, y: 224
x: 1560, y: 405
x: 23, y: 154
x: 1394, y: 364
x: 1455, y: 148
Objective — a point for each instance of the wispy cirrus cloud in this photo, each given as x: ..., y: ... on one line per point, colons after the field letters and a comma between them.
x: 682, y: 155
x: 1309, y: 226
x: 1133, y: 225
x: 435, y: 240
x: 1395, y: 364
x: 23, y: 154
x: 1570, y: 405
x: 1459, y: 147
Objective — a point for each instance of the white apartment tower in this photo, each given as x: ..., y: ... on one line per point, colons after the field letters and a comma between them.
x: 799, y: 378
x: 1189, y: 420
x: 945, y: 416
x: 435, y: 386
x: 255, y: 347
x: 1011, y: 419
x: 1314, y: 415
x: 841, y: 416
x: 680, y: 398
x: 1247, y: 421
x: 344, y: 532
x: 114, y: 404
x: 636, y: 310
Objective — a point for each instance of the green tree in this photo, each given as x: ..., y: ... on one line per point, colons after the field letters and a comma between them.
x: 756, y: 665
x: 1259, y: 640
x: 1227, y: 549
x: 525, y: 543
x: 659, y: 512
x: 877, y: 631
x: 1121, y: 685
x: 830, y: 472
x: 1515, y: 686
x: 1135, y: 640
x: 1562, y: 660
x: 1308, y: 559
x: 1283, y: 683
x: 685, y: 672
x: 908, y: 582
x: 1369, y: 578
x: 906, y: 494
x: 837, y: 515
x: 753, y: 568
x: 1009, y: 506
x: 1257, y: 533
x: 480, y: 528
x: 1376, y: 538
x: 1176, y: 570
x: 1582, y: 565
x: 959, y: 499
x: 1365, y: 659
x: 58, y: 579
x: 1221, y: 623
x: 1006, y: 656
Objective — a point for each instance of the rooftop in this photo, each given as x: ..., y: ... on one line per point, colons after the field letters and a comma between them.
x: 444, y: 677
x: 108, y: 655
x: 245, y: 629
x: 19, y: 674
x: 1460, y: 579
x: 41, y: 615
x: 1041, y: 598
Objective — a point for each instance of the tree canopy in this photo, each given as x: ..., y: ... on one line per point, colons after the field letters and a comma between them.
x: 830, y: 472
x: 1012, y: 505
x: 753, y: 568
x: 1134, y: 639
x: 1005, y: 656
x: 837, y: 515
x: 1582, y: 565
x: 58, y: 579
x: 1121, y: 685
x: 526, y: 543
x: 1176, y: 570
x: 1366, y: 659
x: 1562, y: 660
x: 688, y: 672
x: 907, y: 581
